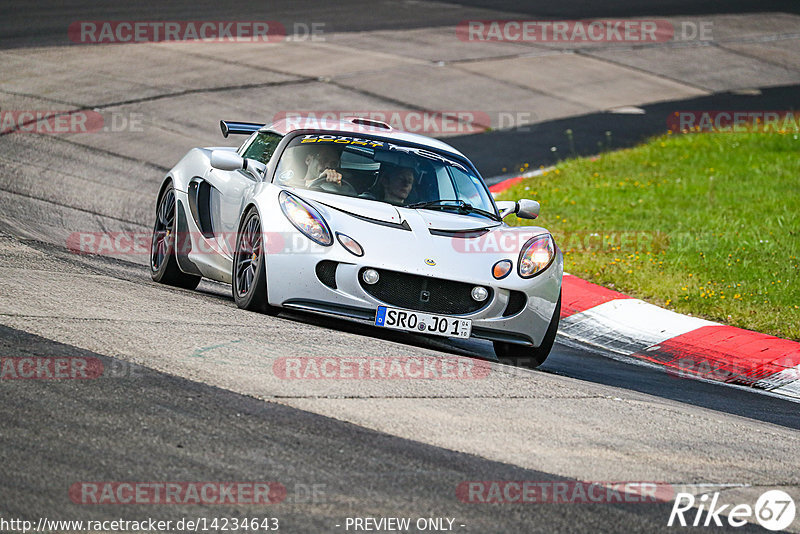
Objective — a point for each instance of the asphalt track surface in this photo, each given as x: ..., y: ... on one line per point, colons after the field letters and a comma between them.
x: 45, y: 22
x: 331, y: 469
x: 195, y: 397
x: 546, y: 143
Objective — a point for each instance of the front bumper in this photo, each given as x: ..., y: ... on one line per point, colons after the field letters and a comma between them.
x: 349, y: 299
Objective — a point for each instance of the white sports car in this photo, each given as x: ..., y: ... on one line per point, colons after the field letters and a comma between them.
x: 355, y: 219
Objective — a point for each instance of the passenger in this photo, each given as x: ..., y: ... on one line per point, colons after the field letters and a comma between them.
x: 393, y: 186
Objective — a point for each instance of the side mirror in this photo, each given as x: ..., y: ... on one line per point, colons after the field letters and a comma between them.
x: 506, y: 207
x: 255, y: 167
x: 525, y: 209
x: 225, y: 160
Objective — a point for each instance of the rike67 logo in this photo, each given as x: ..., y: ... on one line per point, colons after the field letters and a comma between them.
x: 774, y: 510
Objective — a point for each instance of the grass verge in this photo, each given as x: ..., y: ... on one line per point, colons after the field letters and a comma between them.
x: 703, y: 224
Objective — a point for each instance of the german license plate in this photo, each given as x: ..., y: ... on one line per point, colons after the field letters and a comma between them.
x: 411, y: 321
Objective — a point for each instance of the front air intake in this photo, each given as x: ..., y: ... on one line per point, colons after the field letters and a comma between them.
x: 326, y: 272
x: 517, y: 301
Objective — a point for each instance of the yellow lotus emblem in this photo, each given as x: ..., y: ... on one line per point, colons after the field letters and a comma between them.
x: 430, y: 261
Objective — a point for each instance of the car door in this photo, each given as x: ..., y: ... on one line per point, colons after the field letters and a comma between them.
x: 226, y: 191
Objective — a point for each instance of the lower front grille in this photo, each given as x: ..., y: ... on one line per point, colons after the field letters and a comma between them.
x: 517, y: 301
x: 424, y: 293
x: 326, y: 272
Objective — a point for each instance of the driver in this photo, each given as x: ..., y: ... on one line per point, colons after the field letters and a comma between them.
x: 322, y: 163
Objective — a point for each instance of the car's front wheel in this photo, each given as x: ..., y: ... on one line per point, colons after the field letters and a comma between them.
x: 249, y: 276
x: 531, y: 356
x: 163, y: 263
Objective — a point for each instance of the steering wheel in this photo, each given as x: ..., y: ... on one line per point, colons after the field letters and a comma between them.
x: 322, y: 184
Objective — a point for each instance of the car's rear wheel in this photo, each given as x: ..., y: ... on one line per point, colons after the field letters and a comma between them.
x: 163, y: 262
x: 531, y: 356
x: 249, y: 276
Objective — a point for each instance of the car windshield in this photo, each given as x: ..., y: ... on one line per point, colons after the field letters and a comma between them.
x: 383, y: 171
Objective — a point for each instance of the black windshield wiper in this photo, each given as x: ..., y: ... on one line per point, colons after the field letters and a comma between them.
x: 462, y: 206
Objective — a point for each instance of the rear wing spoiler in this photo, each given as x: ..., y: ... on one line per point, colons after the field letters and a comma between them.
x: 241, y: 128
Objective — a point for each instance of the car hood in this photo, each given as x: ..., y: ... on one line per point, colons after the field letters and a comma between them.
x: 360, y: 207
x: 380, y: 211
x: 449, y: 221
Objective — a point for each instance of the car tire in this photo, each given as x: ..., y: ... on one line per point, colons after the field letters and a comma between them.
x: 163, y: 261
x: 531, y: 357
x: 249, y: 273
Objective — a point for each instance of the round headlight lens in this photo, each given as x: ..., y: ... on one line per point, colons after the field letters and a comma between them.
x: 536, y: 255
x: 370, y: 276
x: 305, y: 218
x: 480, y: 293
x: 501, y: 269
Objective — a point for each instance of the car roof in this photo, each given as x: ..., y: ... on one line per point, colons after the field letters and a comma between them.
x: 358, y: 125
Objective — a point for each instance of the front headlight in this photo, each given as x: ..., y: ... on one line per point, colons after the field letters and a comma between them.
x: 305, y: 218
x: 536, y: 255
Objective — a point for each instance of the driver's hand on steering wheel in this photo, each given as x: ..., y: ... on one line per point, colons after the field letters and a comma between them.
x: 331, y: 175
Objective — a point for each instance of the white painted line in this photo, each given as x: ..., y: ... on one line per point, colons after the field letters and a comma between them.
x: 627, y: 110
x: 626, y: 326
x: 787, y: 382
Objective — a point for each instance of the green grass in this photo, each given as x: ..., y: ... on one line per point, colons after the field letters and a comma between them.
x: 706, y: 224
